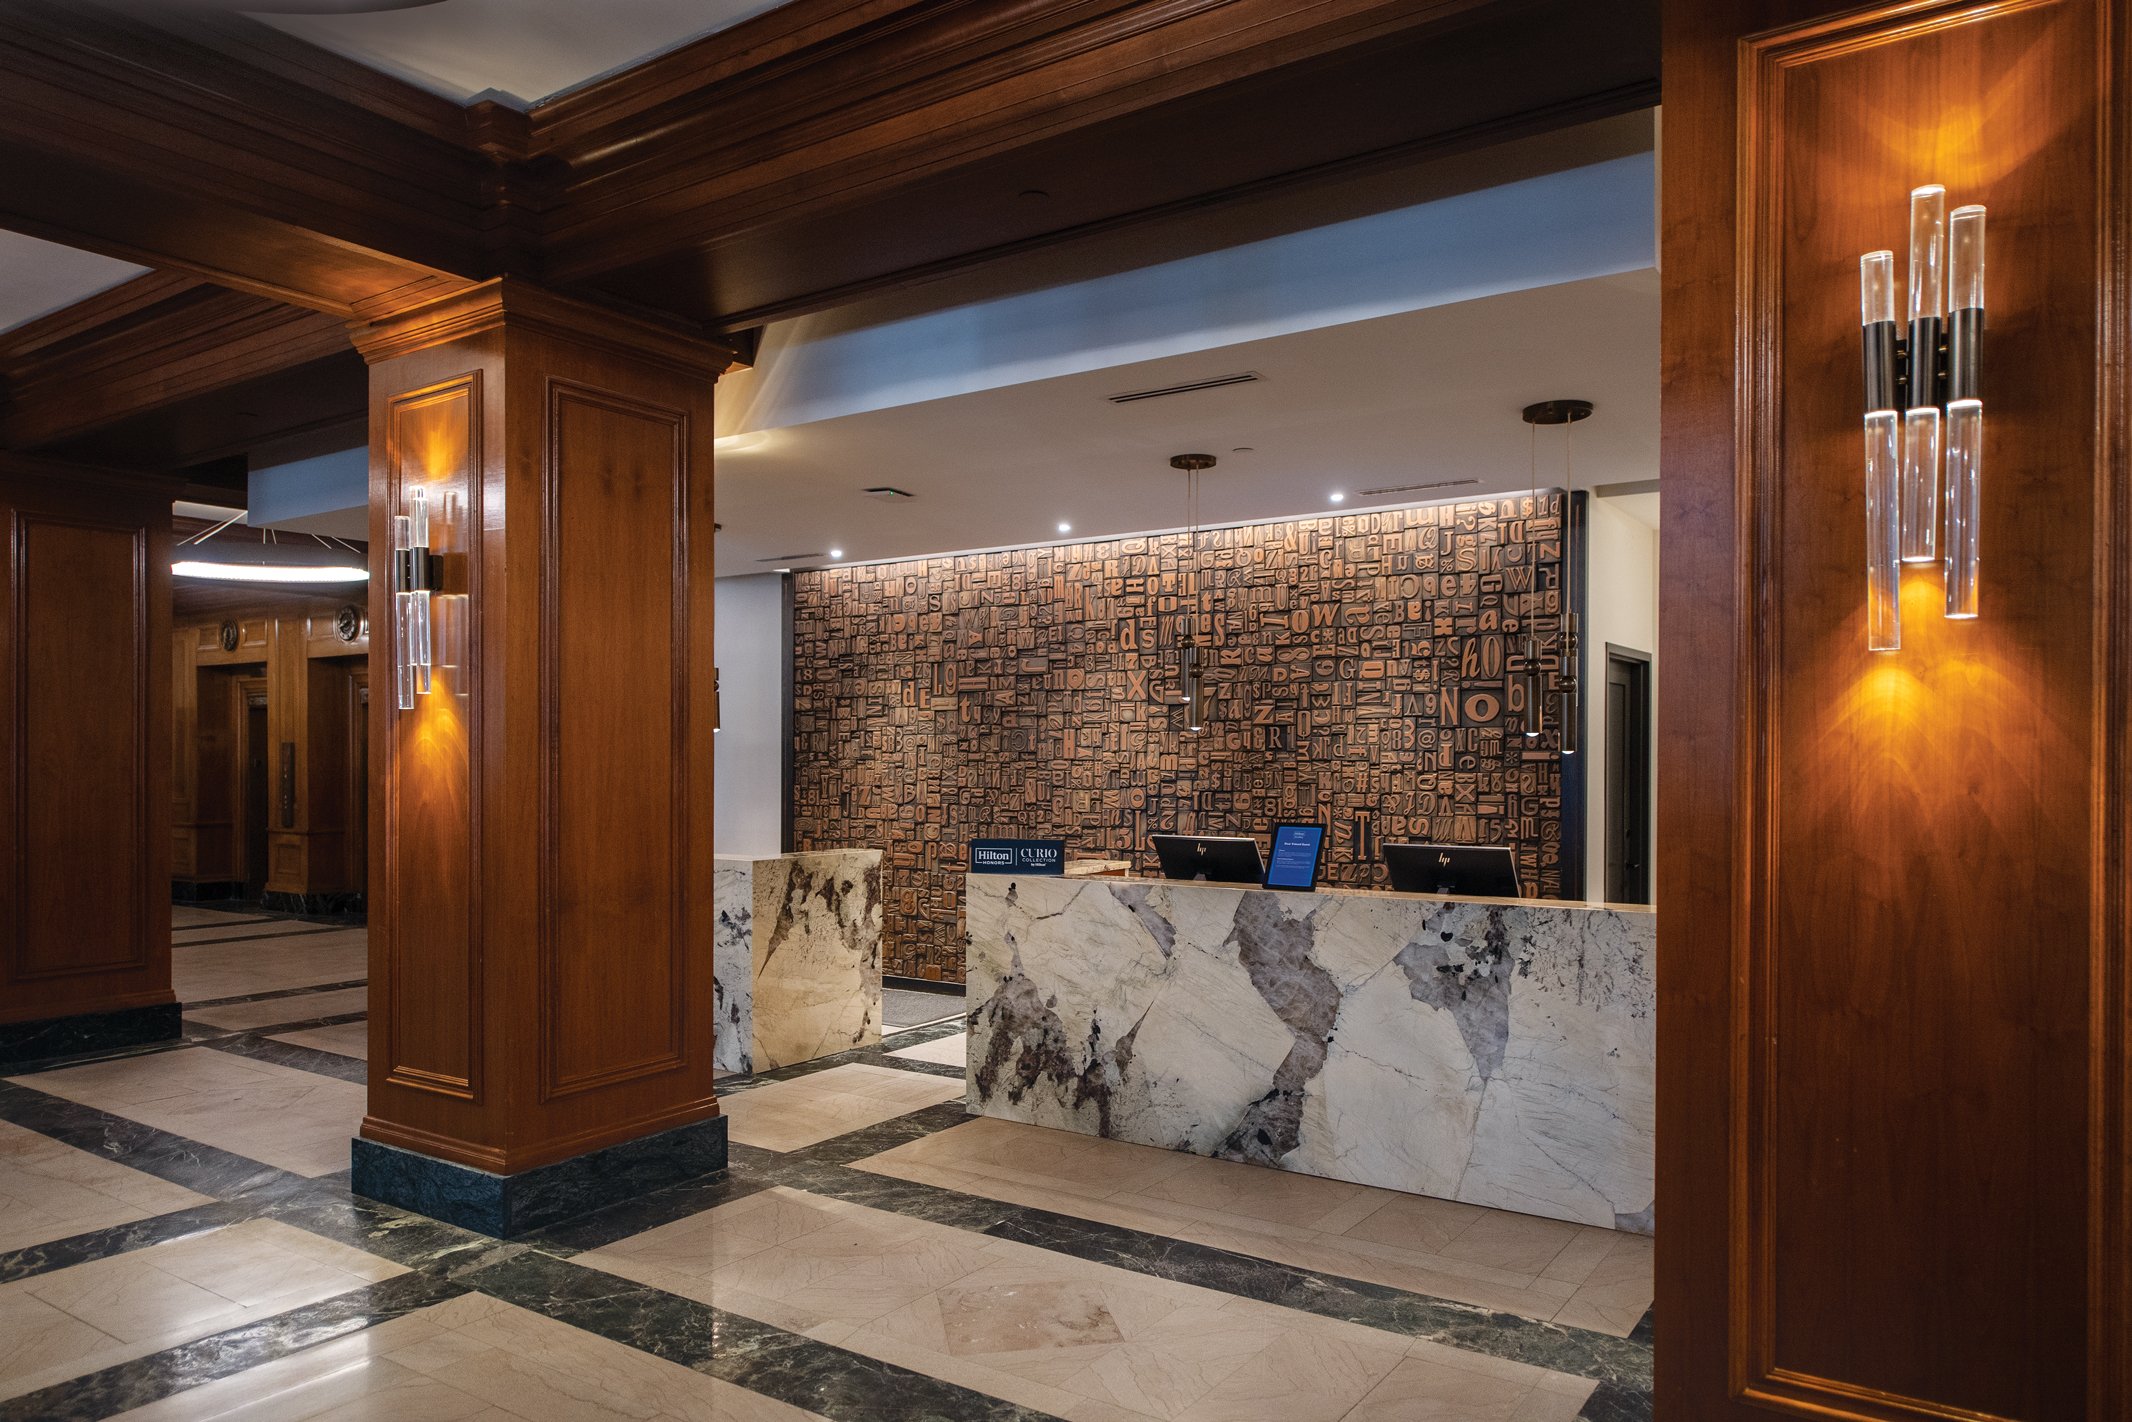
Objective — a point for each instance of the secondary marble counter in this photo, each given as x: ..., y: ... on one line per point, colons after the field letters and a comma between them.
x: 1495, y: 1051
x: 797, y: 957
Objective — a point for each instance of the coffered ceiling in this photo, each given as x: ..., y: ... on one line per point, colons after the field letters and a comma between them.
x: 528, y: 50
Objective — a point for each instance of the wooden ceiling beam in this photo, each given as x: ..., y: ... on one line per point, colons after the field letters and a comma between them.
x: 184, y: 144
x: 148, y: 344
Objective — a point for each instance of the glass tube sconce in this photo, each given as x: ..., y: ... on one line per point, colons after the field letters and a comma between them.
x: 414, y: 578
x: 1924, y: 415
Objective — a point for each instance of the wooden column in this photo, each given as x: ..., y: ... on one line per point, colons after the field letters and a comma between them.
x: 541, y: 859
x: 1893, y: 899
x: 85, y: 776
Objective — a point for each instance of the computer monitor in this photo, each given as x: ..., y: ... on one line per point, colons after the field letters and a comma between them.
x: 1469, y: 870
x: 1220, y: 859
x: 1297, y: 849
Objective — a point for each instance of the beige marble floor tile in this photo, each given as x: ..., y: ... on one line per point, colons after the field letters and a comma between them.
x: 787, y: 1115
x: 296, y: 1120
x: 1080, y: 1340
x: 1524, y: 1244
x: 246, y: 1016
x: 76, y: 1320
x: 1419, y: 1389
x: 348, y: 1039
x: 471, y: 1360
x: 1252, y: 1192
x: 1378, y: 1236
x: 948, y: 1051
x: 1617, y: 1293
x: 1415, y: 1222
x: 203, y: 974
x: 1303, y: 1376
x: 49, y: 1190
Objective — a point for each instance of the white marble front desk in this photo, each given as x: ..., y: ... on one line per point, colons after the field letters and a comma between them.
x: 1493, y: 1051
x: 797, y: 958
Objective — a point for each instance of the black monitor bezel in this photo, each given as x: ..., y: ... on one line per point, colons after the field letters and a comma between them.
x: 1517, y: 878
x: 1252, y: 840
x: 1317, y: 861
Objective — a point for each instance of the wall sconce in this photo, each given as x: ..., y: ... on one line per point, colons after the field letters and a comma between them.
x: 414, y: 578
x: 1924, y: 414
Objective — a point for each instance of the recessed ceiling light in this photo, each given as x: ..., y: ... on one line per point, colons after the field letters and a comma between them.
x: 1338, y: 498
x: 1065, y: 528
x: 836, y: 552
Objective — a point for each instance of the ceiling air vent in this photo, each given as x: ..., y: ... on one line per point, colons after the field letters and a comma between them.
x: 888, y: 492
x: 1417, y: 488
x: 1244, y: 377
x: 792, y: 557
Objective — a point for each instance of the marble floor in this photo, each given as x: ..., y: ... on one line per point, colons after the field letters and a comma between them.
x: 181, y: 1243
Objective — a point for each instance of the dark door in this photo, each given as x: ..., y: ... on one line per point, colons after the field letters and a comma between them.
x: 1628, y: 776
x: 257, y: 796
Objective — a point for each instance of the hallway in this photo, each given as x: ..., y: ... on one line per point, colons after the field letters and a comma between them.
x: 180, y: 1242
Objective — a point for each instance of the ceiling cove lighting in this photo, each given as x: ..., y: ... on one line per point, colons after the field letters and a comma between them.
x: 305, y: 559
x: 1924, y: 412
x: 414, y: 578
x: 1565, y: 413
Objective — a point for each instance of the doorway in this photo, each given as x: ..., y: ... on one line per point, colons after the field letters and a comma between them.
x: 1628, y: 776
x: 257, y: 786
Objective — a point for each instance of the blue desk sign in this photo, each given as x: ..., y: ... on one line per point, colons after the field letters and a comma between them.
x: 1017, y: 856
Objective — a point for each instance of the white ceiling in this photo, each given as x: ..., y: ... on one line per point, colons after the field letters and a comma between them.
x: 38, y: 277
x: 527, y: 50
x: 1406, y: 399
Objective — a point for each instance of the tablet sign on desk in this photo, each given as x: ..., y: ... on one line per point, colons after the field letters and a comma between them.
x: 1017, y: 856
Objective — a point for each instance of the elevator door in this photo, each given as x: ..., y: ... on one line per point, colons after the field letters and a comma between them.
x: 1628, y: 777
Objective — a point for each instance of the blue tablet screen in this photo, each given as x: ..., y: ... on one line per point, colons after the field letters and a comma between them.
x: 1294, y: 864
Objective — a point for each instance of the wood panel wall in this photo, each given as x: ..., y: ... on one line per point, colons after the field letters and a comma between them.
x: 1893, y: 921
x: 1364, y: 671
x: 84, y: 705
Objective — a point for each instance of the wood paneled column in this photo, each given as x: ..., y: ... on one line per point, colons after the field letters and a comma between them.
x: 540, y: 915
x: 1895, y: 889
x: 85, y: 774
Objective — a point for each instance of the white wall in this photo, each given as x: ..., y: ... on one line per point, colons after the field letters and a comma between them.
x: 751, y: 679
x: 1621, y: 593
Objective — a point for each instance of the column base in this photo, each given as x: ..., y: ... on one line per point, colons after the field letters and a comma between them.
x: 506, y: 1206
x: 89, y: 1032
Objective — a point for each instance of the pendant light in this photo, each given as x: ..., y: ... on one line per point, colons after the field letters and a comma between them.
x: 1567, y: 413
x: 1193, y: 627
x: 307, y: 558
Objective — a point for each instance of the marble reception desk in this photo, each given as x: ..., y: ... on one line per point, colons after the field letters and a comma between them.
x: 1492, y: 1051
x: 797, y: 959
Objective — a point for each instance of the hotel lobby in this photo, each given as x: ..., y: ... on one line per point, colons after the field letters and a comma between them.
x: 928, y: 710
